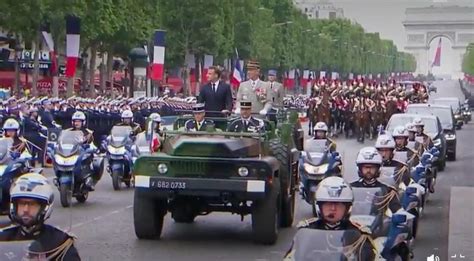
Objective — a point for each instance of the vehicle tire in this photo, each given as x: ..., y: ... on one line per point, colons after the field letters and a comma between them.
x: 65, y: 195
x: 265, y: 218
x: 116, y: 179
x: 442, y: 165
x: 299, y: 142
x: 83, y: 197
x: 452, y: 156
x: 287, y: 183
x: 148, y: 216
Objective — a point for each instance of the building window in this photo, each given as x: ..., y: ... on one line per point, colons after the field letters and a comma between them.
x: 332, y: 15
x: 317, y: 14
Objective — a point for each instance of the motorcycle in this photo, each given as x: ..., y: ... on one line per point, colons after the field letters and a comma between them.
x: 466, y: 113
x: 321, y: 245
x: 11, y: 167
x: 75, y: 167
x: 119, y: 156
x: 316, y: 163
x: 390, y: 234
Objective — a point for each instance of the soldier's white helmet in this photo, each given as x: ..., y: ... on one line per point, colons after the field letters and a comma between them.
x: 369, y: 155
x: 155, y: 117
x: 78, y: 116
x: 127, y: 114
x: 32, y: 186
x: 321, y: 126
x: 385, y: 141
x: 418, y: 122
x: 11, y: 124
x: 400, y: 131
x: 410, y: 127
x: 334, y: 189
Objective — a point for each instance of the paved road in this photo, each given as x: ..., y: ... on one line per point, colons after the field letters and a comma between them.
x: 104, y: 224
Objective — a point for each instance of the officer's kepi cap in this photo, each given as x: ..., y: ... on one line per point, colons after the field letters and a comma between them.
x: 272, y: 73
x: 198, y: 108
x: 246, y: 104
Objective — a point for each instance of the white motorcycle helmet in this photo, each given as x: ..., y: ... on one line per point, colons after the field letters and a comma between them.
x: 155, y: 117
x: 127, y: 114
x: 418, y: 122
x: 320, y: 126
x: 410, y: 127
x: 385, y: 141
x: 400, y: 131
x: 370, y: 156
x: 32, y: 186
x: 79, y: 116
x: 334, y: 189
x: 11, y: 124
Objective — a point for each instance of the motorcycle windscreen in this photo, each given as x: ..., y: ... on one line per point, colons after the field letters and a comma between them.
x: 316, y: 151
x: 387, y: 176
x: 367, y: 208
x: 142, y: 145
x: 21, y: 250
x: 69, y: 142
x: 323, y: 245
x: 119, y: 135
x: 5, y: 145
x: 401, y: 156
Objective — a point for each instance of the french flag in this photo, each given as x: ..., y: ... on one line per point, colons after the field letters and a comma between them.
x: 437, y: 58
x: 157, y: 68
x: 48, y: 38
x: 208, y: 62
x: 237, y: 73
x: 73, y: 37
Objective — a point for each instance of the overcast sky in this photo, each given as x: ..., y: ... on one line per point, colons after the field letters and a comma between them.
x: 386, y: 16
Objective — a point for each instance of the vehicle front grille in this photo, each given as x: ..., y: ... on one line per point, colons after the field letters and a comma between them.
x: 189, y: 167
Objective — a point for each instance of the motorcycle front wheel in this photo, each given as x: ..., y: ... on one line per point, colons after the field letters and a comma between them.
x: 65, y: 195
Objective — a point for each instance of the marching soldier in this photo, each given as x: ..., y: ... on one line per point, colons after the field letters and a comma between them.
x: 199, y: 123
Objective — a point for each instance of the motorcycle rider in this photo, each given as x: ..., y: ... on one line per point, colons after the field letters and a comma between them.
x: 31, y: 205
x: 411, y: 142
x: 369, y: 162
x: 127, y: 120
x: 420, y: 126
x: 11, y: 129
x: 334, y: 199
x: 78, y: 120
x: 320, y: 133
x: 400, y: 135
x: 385, y: 145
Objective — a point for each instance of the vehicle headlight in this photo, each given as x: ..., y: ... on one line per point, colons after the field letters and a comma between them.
x: 243, y: 171
x: 457, y: 116
x: 449, y: 136
x: 116, y: 151
x: 69, y: 161
x: 162, y: 168
x: 437, y: 142
x: 315, y: 169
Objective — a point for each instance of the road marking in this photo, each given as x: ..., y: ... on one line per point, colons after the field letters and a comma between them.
x: 97, y: 218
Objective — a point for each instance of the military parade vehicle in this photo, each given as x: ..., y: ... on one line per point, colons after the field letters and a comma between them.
x: 200, y: 172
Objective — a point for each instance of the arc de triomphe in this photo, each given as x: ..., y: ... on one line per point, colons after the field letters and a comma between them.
x: 422, y: 25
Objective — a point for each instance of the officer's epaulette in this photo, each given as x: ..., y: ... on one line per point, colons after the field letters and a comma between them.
x: 22, y: 139
x: 89, y: 130
x: 361, y: 228
x: 10, y: 226
x: 403, y: 163
x: 306, y: 222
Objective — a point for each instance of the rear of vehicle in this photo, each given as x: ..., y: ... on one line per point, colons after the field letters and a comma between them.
x: 446, y: 116
x: 455, y: 104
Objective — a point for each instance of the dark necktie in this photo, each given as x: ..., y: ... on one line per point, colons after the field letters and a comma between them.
x: 214, y: 87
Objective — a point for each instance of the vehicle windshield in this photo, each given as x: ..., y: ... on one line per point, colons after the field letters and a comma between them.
x: 120, y: 134
x: 454, y: 103
x: 5, y: 145
x: 318, y: 244
x: 143, y: 146
x: 444, y: 114
x: 366, y: 201
x: 69, y: 141
x: 431, y: 127
x: 21, y: 250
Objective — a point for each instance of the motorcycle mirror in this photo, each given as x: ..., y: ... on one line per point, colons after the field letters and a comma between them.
x: 411, y: 190
x: 399, y: 218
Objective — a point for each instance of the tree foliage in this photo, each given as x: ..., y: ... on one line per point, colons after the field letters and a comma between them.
x: 468, y: 60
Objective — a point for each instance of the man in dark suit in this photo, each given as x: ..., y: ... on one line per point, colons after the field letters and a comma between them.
x: 246, y: 123
x: 199, y: 123
x: 216, y: 94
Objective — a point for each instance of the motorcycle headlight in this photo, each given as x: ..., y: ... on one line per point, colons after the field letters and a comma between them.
x: 449, y: 136
x: 437, y: 142
x: 116, y: 151
x: 457, y: 116
x: 162, y: 168
x: 65, y: 161
x: 315, y: 169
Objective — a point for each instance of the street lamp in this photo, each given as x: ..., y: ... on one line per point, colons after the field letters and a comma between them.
x: 18, y: 52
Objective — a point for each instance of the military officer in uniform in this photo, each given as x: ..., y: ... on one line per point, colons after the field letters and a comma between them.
x: 199, y: 123
x: 253, y: 90
x: 275, y: 90
x: 246, y: 123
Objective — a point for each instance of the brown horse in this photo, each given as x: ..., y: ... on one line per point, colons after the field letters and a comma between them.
x: 391, y: 108
x: 319, y: 110
x: 377, y: 116
x: 362, y: 121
